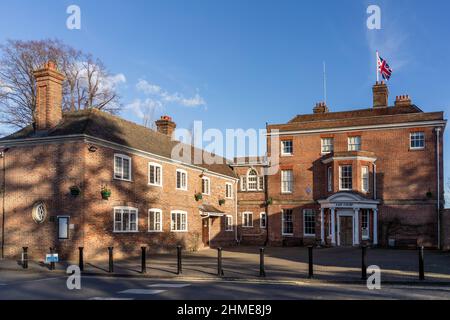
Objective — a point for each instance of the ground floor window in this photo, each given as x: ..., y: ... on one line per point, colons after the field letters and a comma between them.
x: 155, y: 220
x: 179, y: 221
x: 287, y: 222
x: 262, y: 220
x: 365, y: 224
x: 247, y: 219
x: 229, y: 223
x: 309, y: 222
x: 125, y: 219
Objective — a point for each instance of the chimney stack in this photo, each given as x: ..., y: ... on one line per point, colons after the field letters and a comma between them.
x: 48, y: 111
x: 380, y: 95
x: 403, y: 101
x: 165, y: 125
x: 321, y: 107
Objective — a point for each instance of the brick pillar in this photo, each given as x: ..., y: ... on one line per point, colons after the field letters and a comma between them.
x: 48, y: 111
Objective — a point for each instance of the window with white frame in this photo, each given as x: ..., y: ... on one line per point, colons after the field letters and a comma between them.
x: 181, y: 179
x: 63, y: 228
x: 228, y: 191
x: 417, y: 140
x: 327, y: 145
x: 262, y: 220
x: 330, y: 179
x: 243, y: 183
x: 354, y: 143
x: 287, y: 224
x: 206, y: 188
x: 365, y: 224
x: 345, y: 177
x: 287, y: 181
x: 229, y: 223
x: 247, y: 219
x: 154, y: 220
x: 309, y: 222
x: 261, y: 183
x: 125, y: 219
x: 365, y: 178
x: 286, y: 147
x: 154, y: 174
x: 178, y: 221
x: 122, y: 167
x: 252, y: 180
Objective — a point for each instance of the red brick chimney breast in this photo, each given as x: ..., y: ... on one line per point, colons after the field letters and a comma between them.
x: 165, y: 125
x: 321, y: 107
x: 402, y: 101
x: 48, y: 109
x: 380, y: 95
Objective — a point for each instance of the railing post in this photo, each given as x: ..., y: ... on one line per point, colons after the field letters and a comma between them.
x: 262, y: 271
x: 25, y: 258
x: 310, y: 262
x: 179, y: 266
x: 52, y: 264
x: 111, y: 259
x: 219, y: 262
x: 421, y: 264
x: 81, y: 259
x: 364, y: 262
x: 143, y: 260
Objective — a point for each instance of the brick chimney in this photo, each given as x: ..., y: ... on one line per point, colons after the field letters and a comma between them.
x: 48, y: 112
x: 165, y: 125
x: 321, y: 107
x: 380, y: 95
x: 403, y: 101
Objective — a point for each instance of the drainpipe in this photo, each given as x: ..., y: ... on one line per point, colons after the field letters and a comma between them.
x: 236, y: 211
x: 266, y: 197
x: 374, y: 181
x: 438, y: 158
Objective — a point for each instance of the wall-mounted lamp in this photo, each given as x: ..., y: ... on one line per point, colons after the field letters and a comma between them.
x: 92, y: 148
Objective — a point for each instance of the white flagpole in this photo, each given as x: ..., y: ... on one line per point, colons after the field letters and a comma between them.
x: 324, y: 83
x: 376, y: 64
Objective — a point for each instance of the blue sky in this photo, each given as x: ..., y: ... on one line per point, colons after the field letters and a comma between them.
x: 243, y: 63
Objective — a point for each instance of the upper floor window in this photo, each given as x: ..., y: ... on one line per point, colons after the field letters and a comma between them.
x: 154, y: 220
x: 286, y: 147
x: 327, y: 145
x: 122, y: 167
x: 125, y: 219
x: 354, y: 143
x: 229, y: 223
x: 330, y: 179
x: 309, y: 222
x: 287, y: 224
x: 262, y: 220
x: 178, y: 221
x: 345, y: 177
x: 247, y: 219
x: 154, y: 174
x: 365, y: 179
x: 417, y: 140
x: 181, y: 179
x: 287, y: 181
x: 228, y: 191
x: 206, y: 187
x: 252, y: 181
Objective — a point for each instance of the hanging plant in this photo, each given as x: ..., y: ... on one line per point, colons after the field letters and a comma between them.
x: 198, y: 196
x: 106, y: 193
x: 221, y: 202
x: 269, y: 201
x: 75, y: 191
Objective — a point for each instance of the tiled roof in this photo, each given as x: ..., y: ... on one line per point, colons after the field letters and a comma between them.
x: 108, y: 127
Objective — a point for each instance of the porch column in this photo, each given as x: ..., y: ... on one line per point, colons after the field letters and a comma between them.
x: 375, y: 227
x: 333, y: 228
x: 322, y: 227
x: 357, y: 227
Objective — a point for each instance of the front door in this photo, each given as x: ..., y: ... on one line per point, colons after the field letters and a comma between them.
x: 205, y: 232
x: 346, y: 230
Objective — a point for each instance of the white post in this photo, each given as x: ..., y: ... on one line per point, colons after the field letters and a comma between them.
x: 377, y: 66
x: 375, y: 227
x: 333, y: 228
x: 322, y: 227
x: 356, y: 227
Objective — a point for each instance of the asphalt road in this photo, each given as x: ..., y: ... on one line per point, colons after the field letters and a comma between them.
x: 14, y: 285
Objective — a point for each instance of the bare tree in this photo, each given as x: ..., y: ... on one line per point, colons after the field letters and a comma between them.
x: 88, y: 83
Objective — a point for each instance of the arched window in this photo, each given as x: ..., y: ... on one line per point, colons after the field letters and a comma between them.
x: 252, y: 181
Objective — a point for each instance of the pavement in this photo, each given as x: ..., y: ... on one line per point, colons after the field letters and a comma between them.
x: 282, y: 266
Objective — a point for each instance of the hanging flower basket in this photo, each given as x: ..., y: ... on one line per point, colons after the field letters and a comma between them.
x: 269, y: 201
x: 106, y: 193
x: 75, y: 191
x: 198, y: 196
x: 221, y: 202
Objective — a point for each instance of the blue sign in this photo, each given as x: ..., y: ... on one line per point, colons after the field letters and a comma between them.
x: 51, y: 257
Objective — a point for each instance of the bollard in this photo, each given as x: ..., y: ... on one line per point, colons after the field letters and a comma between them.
x: 25, y: 258
x: 52, y: 264
x: 363, y: 263
x: 179, y: 267
x: 310, y: 262
x: 219, y: 262
x: 262, y: 272
x: 111, y: 259
x: 81, y: 259
x: 421, y: 264
x: 143, y: 260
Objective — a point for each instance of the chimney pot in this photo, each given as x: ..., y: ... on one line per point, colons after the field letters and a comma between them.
x: 165, y: 125
x: 403, y: 100
x: 321, y: 107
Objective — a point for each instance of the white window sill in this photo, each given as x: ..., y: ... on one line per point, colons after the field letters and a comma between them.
x: 206, y: 194
x: 417, y: 149
x: 181, y: 189
x: 178, y: 231
x: 154, y: 231
x: 126, y: 231
x: 119, y: 179
x: 287, y: 154
x: 309, y: 235
x: 286, y: 192
x: 155, y: 185
x: 287, y: 234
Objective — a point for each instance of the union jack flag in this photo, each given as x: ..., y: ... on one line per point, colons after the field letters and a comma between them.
x: 384, y: 68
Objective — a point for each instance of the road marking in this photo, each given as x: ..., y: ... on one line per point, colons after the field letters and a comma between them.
x: 109, y: 298
x: 169, y: 285
x: 141, y: 291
